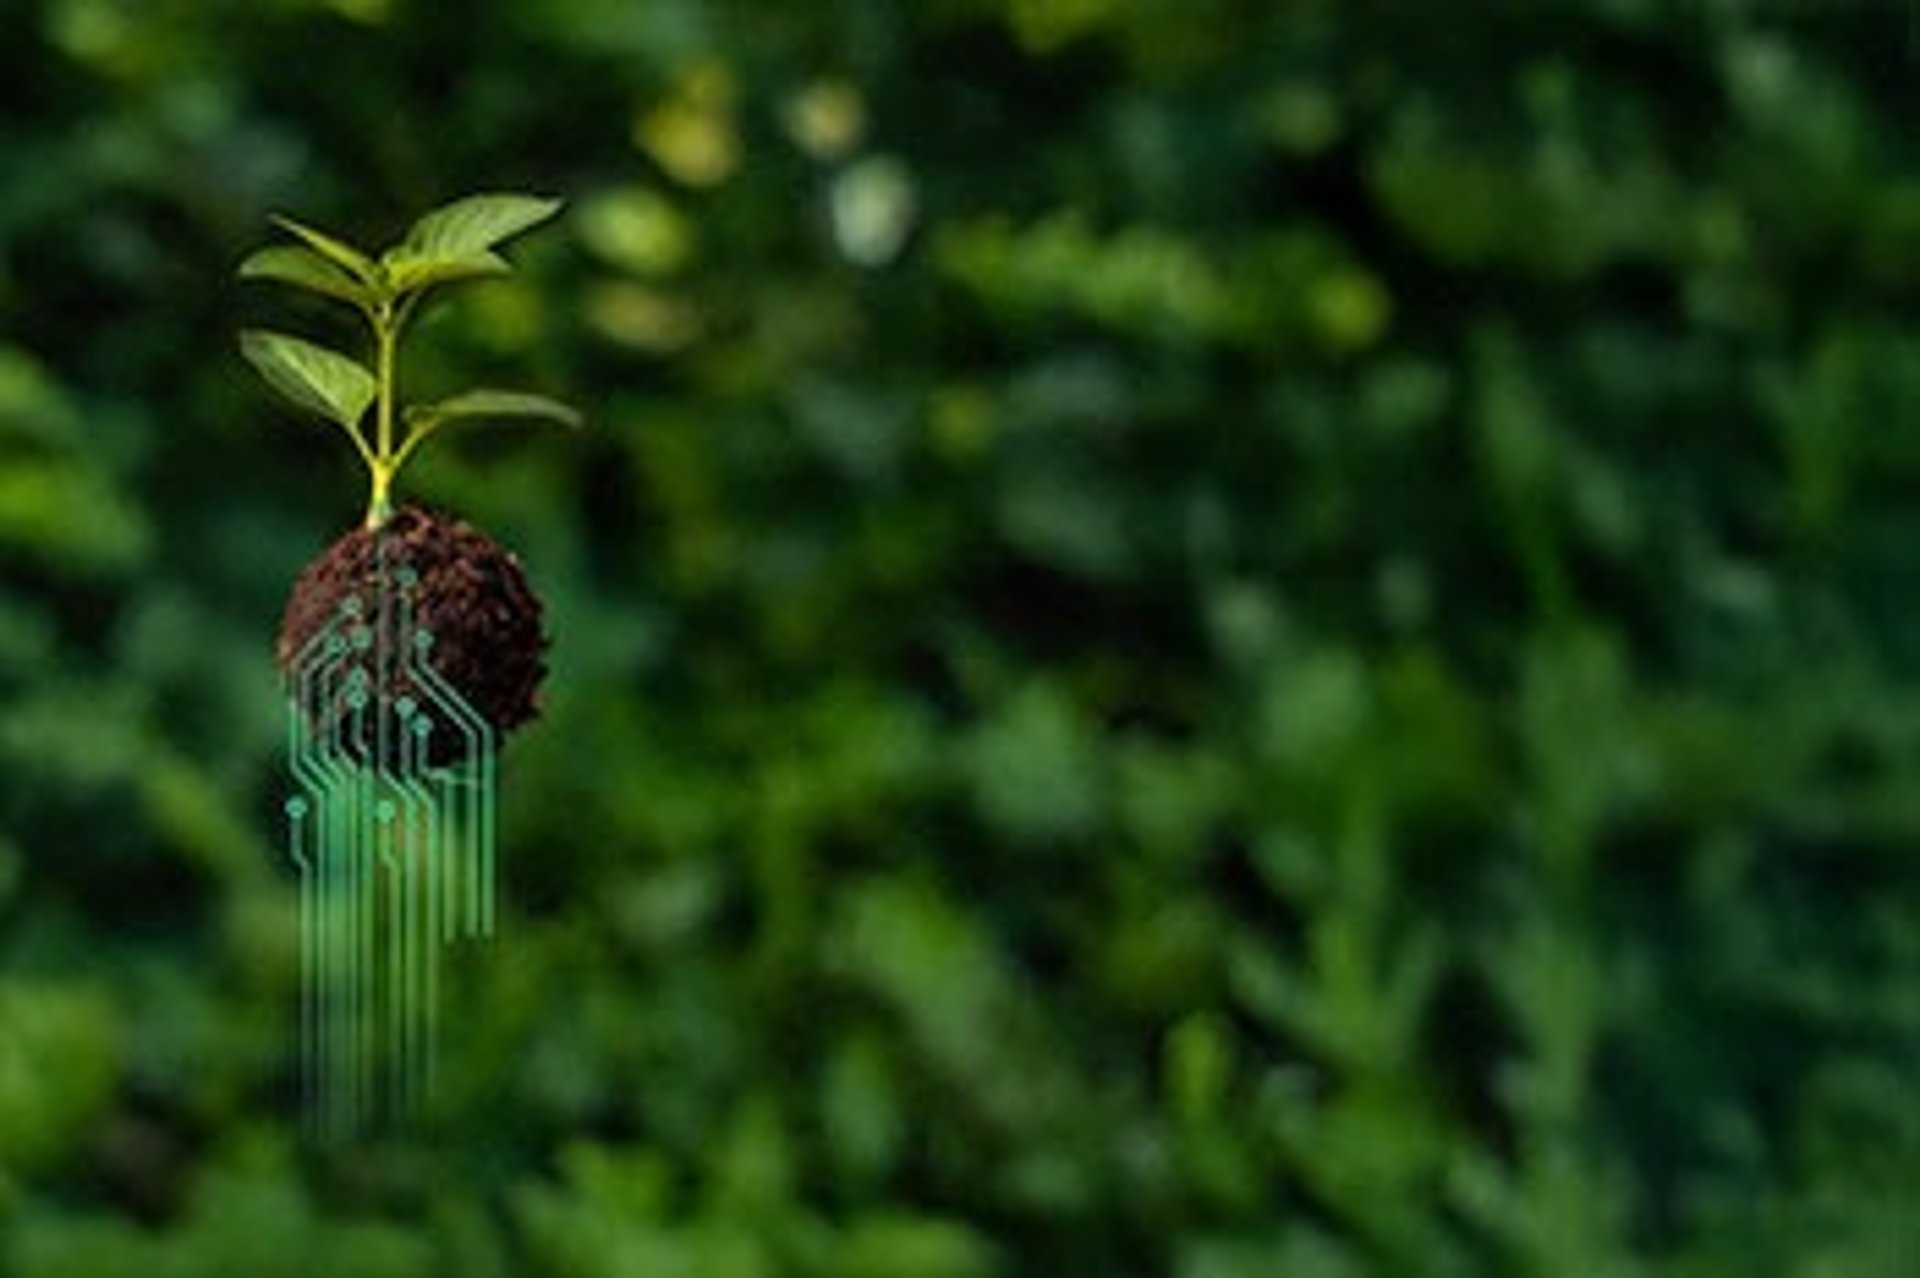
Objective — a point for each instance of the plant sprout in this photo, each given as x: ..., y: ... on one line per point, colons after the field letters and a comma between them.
x: 452, y: 245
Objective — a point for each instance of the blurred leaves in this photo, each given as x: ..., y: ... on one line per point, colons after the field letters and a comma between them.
x: 51, y: 475
x: 58, y: 1064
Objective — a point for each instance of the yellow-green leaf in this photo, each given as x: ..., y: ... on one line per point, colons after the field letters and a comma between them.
x: 304, y: 268
x: 317, y: 379
x: 497, y: 404
x: 409, y: 269
x: 342, y: 254
x: 473, y: 225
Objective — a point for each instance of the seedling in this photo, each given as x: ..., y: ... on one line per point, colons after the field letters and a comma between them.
x: 449, y: 246
x: 471, y: 594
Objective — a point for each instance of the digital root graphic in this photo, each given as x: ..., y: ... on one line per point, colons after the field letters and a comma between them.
x: 392, y: 833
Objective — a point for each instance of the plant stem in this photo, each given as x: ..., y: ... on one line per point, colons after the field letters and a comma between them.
x: 379, y: 503
x: 386, y: 332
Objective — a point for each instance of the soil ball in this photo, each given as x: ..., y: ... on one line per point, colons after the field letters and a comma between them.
x: 434, y: 575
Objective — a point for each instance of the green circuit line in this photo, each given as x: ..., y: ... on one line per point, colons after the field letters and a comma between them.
x: 392, y: 834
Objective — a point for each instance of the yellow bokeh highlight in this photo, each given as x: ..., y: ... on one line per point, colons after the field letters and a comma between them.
x: 692, y: 134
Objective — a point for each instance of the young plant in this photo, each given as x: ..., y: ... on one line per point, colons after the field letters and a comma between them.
x: 462, y: 589
x: 451, y: 245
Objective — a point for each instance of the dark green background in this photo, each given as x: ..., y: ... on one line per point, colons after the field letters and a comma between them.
x: 1231, y: 639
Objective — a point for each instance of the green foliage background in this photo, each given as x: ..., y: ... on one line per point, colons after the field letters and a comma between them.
x: 1243, y: 638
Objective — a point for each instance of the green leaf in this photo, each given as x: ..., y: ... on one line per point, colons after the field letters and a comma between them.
x: 469, y: 227
x: 342, y: 254
x: 495, y: 404
x: 408, y: 269
x: 304, y: 268
x: 317, y: 379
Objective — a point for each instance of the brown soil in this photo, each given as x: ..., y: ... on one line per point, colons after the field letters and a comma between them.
x: 465, y: 591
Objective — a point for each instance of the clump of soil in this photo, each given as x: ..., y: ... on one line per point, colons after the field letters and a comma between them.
x: 461, y: 587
